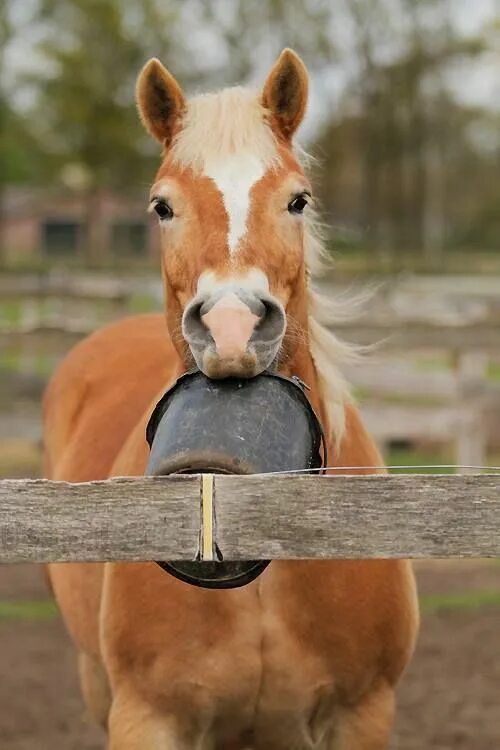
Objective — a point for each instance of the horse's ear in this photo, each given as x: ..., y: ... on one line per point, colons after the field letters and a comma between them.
x: 285, y: 93
x: 160, y: 101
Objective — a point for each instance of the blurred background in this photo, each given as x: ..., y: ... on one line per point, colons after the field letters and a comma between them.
x: 404, y: 122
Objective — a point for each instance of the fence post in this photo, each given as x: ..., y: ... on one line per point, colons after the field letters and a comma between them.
x: 471, y: 443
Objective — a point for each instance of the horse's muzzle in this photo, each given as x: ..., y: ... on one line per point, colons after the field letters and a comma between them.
x: 232, y: 426
x: 234, y: 332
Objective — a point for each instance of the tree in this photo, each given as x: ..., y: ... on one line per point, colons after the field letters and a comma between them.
x: 379, y: 66
x: 18, y: 152
x: 252, y: 35
x: 390, y: 141
x: 93, y: 50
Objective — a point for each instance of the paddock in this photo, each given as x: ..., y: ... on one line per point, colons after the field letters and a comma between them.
x: 451, y: 516
x: 460, y: 599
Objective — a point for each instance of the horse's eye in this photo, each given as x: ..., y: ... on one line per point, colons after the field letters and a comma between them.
x: 163, y: 210
x: 297, y: 205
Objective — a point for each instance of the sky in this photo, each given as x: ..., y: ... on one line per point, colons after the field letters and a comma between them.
x: 473, y: 83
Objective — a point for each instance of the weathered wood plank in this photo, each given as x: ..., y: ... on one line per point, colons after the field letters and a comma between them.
x: 89, y: 289
x: 398, y: 336
x: 276, y: 517
x: 358, y: 517
x: 387, y: 379
x: 18, y: 425
x: 119, y: 519
x: 386, y: 421
x: 391, y: 379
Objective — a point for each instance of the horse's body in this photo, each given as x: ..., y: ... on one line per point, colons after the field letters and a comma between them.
x: 308, y: 654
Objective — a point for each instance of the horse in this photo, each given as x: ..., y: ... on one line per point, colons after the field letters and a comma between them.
x: 308, y: 655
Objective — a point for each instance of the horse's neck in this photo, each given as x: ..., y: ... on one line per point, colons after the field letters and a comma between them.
x: 301, y: 365
x: 298, y: 360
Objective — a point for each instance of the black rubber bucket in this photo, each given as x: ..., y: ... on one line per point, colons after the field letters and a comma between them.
x: 232, y: 426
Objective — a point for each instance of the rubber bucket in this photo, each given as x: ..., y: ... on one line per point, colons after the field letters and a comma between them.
x: 232, y: 426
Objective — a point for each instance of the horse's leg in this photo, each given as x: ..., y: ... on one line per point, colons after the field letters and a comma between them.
x: 95, y: 687
x: 367, y: 725
x: 135, y: 724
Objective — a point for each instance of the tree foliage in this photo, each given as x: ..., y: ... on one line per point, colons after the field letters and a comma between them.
x: 92, y: 51
x: 399, y: 144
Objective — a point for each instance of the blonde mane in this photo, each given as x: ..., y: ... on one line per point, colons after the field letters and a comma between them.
x: 216, y: 125
x: 234, y: 121
x: 329, y: 352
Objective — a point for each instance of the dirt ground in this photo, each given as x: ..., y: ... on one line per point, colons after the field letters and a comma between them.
x: 448, y: 700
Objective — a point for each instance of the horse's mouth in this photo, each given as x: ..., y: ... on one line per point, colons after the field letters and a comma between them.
x: 244, y: 366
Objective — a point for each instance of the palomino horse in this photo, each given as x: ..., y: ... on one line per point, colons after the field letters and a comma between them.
x: 307, y: 655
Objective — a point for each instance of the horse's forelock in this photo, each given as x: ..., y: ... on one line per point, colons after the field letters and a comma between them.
x: 223, y: 124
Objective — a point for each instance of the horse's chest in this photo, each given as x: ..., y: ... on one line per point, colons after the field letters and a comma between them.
x: 296, y: 701
x: 257, y: 667
x: 269, y: 685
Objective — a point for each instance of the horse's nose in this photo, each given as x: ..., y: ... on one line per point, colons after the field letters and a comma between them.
x: 240, y: 325
x: 231, y: 323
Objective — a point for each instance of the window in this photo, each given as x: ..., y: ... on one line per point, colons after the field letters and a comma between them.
x: 129, y: 238
x: 60, y: 237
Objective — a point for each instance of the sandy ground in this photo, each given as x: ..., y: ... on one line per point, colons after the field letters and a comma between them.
x: 448, y: 700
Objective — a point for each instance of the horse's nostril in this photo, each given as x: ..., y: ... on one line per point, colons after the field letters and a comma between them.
x: 271, y: 324
x: 192, y: 311
x: 271, y: 311
x: 193, y: 327
x: 202, y: 308
x: 264, y: 316
x: 259, y: 308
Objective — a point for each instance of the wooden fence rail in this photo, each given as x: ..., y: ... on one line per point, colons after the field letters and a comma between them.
x: 409, y: 336
x: 397, y: 336
x: 77, y: 287
x: 256, y: 517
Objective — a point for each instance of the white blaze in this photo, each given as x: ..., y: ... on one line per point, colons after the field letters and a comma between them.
x: 253, y: 280
x: 235, y: 176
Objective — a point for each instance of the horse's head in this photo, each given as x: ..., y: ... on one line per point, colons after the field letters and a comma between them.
x: 230, y: 196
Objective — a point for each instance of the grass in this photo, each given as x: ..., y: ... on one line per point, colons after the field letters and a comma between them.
x: 436, y: 363
x: 463, y: 601
x: 43, y: 365
x: 354, y: 260
x: 494, y: 372
x: 363, y: 394
x: 44, y: 609
x: 403, y: 457
x: 442, y: 363
x: 10, y: 312
x: 9, y: 361
x: 143, y: 303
